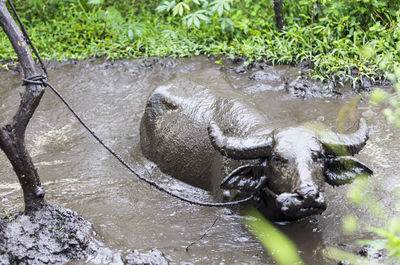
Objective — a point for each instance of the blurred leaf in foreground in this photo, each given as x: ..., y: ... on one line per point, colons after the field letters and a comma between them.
x: 350, y: 224
x: 341, y: 255
x: 275, y: 242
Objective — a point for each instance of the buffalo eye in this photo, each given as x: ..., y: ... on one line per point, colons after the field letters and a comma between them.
x: 317, y: 155
x: 276, y: 159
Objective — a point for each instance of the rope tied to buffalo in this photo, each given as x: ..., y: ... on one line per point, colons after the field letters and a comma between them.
x: 41, y: 79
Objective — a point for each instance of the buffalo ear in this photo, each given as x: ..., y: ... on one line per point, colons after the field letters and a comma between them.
x: 344, y: 169
x: 246, y: 178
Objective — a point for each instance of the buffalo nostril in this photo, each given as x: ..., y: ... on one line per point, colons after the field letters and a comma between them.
x: 320, y: 198
x: 308, y: 192
x: 299, y: 195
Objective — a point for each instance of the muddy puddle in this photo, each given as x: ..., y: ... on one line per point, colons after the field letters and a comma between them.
x: 79, y: 174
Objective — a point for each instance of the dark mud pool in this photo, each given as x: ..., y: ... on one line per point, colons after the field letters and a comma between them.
x: 77, y: 173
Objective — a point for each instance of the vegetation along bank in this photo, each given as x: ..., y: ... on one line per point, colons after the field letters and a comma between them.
x: 331, y: 36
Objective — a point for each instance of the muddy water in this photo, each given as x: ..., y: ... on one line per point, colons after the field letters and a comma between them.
x: 78, y: 174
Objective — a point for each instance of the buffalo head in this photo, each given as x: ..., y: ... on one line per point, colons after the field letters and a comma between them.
x: 289, y: 166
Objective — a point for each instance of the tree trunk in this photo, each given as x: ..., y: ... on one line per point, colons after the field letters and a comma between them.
x: 278, y: 15
x: 12, y: 135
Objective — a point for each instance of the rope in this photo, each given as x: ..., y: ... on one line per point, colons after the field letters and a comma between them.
x: 42, y: 80
x: 203, y: 235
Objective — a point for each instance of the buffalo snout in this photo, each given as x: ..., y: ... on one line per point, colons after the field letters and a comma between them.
x: 306, y: 201
x: 308, y: 192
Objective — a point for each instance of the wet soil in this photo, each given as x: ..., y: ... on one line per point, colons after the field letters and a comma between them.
x: 48, y: 236
x: 128, y: 214
x: 55, y: 235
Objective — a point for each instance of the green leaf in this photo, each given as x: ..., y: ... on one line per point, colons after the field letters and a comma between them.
x: 275, y: 242
x: 175, y: 10
x: 350, y: 224
x: 196, y: 22
x: 340, y: 255
x: 161, y: 8
x: 95, y: 2
x: 202, y: 17
x: 226, y: 6
x: 220, y: 10
x: 114, y: 17
x: 220, y: 5
x: 166, y: 6
x: 185, y: 6
x: 377, y: 95
x: 130, y: 34
x: 180, y: 8
x: 195, y: 18
x: 190, y: 21
x: 376, y: 245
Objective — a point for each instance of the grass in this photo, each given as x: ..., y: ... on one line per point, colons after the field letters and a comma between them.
x: 71, y: 32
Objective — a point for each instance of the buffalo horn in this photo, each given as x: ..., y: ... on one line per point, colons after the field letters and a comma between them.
x: 345, y: 144
x: 240, y: 148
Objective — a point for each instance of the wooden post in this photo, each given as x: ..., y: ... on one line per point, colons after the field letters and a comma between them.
x: 12, y: 135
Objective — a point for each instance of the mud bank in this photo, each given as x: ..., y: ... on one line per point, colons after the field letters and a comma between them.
x: 306, y: 85
x: 55, y: 235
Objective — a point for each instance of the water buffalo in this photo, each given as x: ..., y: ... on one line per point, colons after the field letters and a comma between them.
x: 215, y: 137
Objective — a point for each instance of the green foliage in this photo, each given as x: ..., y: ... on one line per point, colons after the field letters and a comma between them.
x: 388, y: 234
x: 350, y: 224
x: 195, y: 18
x: 95, y: 2
x: 166, y: 6
x: 274, y: 241
x: 340, y: 255
x: 180, y: 8
x: 199, y: 11
x: 378, y: 96
x: 219, y: 6
x: 329, y: 33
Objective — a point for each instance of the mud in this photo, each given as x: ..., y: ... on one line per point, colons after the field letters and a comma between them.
x: 305, y: 86
x: 55, y: 235
x: 283, y: 78
x: 48, y: 236
x: 153, y: 257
